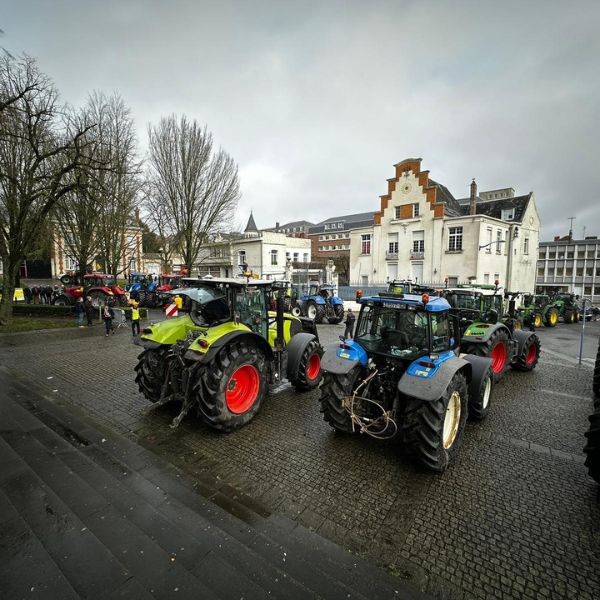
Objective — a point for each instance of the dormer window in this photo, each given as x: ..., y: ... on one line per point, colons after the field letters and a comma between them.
x: 508, y: 214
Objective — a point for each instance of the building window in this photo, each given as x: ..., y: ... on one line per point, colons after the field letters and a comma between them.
x: 540, y: 271
x: 365, y: 244
x: 596, y: 290
x: 579, y: 272
x: 552, y: 254
x: 589, y: 271
x: 455, y: 239
x: 71, y: 263
x: 295, y: 257
x: 393, y: 248
x: 397, y: 212
x: 273, y: 257
x: 306, y: 257
x: 508, y: 214
x: 568, y: 271
x: 326, y: 227
x: 419, y: 246
x: 486, y: 278
x: 489, y: 241
x: 587, y: 290
x: 496, y: 277
x: 498, y: 240
x: 415, y: 211
x: 550, y: 272
x: 242, y: 257
x: 525, y: 245
x: 364, y: 280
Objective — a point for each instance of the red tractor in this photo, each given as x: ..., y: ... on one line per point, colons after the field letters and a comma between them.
x: 168, y: 282
x: 99, y: 286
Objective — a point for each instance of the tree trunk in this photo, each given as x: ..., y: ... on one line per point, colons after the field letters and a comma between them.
x: 8, y: 292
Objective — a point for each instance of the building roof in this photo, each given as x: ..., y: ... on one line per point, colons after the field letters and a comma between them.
x: 494, y: 208
x: 452, y: 207
x: 353, y: 221
x: 349, y: 218
x: 251, y: 226
x: 302, y: 224
x: 565, y: 241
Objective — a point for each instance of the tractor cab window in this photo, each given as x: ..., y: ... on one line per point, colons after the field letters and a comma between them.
x: 397, y: 330
x: 108, y: 281
x: 251, y: 309
x: 492, y: 307
x: 440, y: 332
x: 209, y: 306
x: 465, y: 301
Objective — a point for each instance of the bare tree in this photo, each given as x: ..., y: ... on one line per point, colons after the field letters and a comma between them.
x: 157, y: 213
x: 197, y: 187
x: 38, y: 154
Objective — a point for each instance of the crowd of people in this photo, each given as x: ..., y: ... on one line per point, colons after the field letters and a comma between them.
x: 38, y: 294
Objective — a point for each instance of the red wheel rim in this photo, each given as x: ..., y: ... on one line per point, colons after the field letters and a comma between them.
x: 242, y: 389
x: 531, y: 354
x: 314, y: 367
x: 498, y: 356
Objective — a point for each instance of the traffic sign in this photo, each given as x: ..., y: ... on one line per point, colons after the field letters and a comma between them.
x: 171, y: 310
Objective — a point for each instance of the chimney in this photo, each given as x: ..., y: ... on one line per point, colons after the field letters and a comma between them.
x: 277, y: 225
x: 473, y: 203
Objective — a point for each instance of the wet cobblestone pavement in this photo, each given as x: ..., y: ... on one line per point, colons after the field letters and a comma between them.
x: 516, y: 516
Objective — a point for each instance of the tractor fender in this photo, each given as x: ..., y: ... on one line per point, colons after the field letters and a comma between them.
x: 317, y: 299
x: 150, y: 344
x: 341, y: 361
x: 480, y: 365
x: 336, y: 300
x: 521, y: 337
x: 478, y: 339
x: 239, y: 335
x: 295, y: 350
x: 308, y: 326
x: 431, y: 388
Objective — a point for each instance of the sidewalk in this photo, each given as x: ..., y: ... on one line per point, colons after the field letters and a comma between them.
x: 88, y: 514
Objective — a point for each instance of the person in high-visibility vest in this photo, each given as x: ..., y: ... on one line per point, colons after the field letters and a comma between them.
x: 135, y: 319
x: 178, y: 302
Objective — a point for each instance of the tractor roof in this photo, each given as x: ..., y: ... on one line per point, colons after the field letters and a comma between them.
x: 234, y: 282
x: 472, y: 291
x: 435, y: 304
x: 135, y: 274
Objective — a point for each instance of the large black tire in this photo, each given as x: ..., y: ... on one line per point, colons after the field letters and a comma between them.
x: 569, y: 317
x: 493, y: 349
x: 296, y: 310
x: 596, y: 381
x: 333, y: 391
x: 431, y: 440
x: 592, y: 448
x: 529, y: 356
x: 309, y: 369
x: 479, y: 403
x: 551, y: 318
x: 537, y: 320
x: 315, y: 311
x: 227, y: 403
x: 61, y: 301
x: 338, y: 310
x: 151, y: 372
x: 66, y: 280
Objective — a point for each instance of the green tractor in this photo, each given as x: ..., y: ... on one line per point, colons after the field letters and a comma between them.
x: 402, y: 377
x: 223, y: 353
x: 567, y: 307
x: 538, y: 310
x: 486, y: 331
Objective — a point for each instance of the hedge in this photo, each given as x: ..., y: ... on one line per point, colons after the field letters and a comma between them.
x: 49, y: 310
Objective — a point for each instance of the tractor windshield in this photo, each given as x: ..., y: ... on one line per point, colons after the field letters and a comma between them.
x: 108, y: 281
x: 469, y: 301
x: 209, y: 306
x: 398, y: 330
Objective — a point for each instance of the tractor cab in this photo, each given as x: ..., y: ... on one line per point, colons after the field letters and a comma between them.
x: 475, y: 304
x: 168, y: 282
x: 400, y: 286
x: 135, y: 281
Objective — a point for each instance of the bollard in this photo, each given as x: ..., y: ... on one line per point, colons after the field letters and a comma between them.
x: 582, y: 333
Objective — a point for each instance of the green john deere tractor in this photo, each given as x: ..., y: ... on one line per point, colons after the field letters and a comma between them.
x: 486, y: 331
x: 538, y: 310
x: 567, y: 307
x: 223, y: 353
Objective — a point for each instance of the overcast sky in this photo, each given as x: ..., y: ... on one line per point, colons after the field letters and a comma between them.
x: 317, y: 100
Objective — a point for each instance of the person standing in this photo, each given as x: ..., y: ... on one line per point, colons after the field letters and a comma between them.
x: 89, y: 310
x: 349, y: 331
x: 135, y: 319
x: 80, y: 311
x: 108, y: 314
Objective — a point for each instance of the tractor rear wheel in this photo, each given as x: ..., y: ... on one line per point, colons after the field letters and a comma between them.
x: 61, y: 301
x: 592, y: 448
x: 498, y: 349
x: 309, y: 369
x: 315, y: 311
x: 296, y: 310
x: 529, y: 355
x: 66, y: 280
x: 569, y: 316
x: 551, y: 317
x: 596, y: 381
x: 151, y: 372
x: 334, y: 390
x: 231, y: 388
x: 98, y: 298
x: 433, y: 430
x: 338, y: 310
x: 480, y: 404
x: 537, y: 320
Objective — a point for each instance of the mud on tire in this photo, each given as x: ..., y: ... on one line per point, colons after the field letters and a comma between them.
x: 333, y: 391
x: 150, y: 371
x: 309, y: 369
x: 230, y: 389
x: 529, y: 356
x: 423, y: 429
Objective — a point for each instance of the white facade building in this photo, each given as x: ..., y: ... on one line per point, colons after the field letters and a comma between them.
x: 264, y: 252
x: 423, y: 233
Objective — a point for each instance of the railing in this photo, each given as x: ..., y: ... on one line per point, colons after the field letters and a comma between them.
x: 417, y: 255
x: 391, y: 256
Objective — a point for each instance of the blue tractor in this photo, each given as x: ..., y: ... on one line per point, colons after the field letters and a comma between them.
x: 139, y: 286
x: 320, y: 302
x: 402, y: 376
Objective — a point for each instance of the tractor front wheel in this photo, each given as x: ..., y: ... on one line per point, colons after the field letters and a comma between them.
x: 569, y: 317
x: 151, y: 372
x: 479, y: 404
x: 592, y: 448
x: 334, y: 390
x: 537, y: 320
x: 433, y: 430
x: 296, y: 310
x: 338, y: 310
x: 231, y: 388
x: 498, y: 349
x: 315, y: 311
x: 529, y: 355
x: 551, y: 318
x: 61, y: 301
x: 309, y: 369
